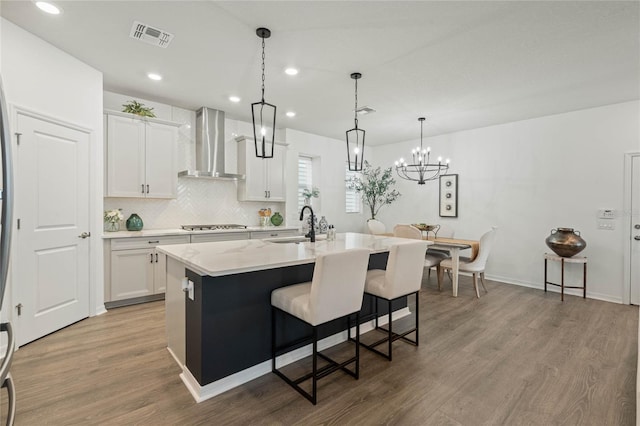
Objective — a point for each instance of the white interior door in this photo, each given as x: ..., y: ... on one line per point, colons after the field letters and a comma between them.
x: 635, y: 230
x: 52, y: 200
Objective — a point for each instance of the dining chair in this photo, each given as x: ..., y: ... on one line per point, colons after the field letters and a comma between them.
x: 334, y: 292
x: 432, y: 258
x: 402, y: 278
x: 376, y: 227
x: 475, y: 266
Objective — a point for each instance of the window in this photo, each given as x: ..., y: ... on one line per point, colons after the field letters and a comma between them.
x: 353, y: 200
x: 305, y: 177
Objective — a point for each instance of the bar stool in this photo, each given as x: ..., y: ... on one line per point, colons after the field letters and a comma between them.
x: 335, y: 291
x: 402, y: 278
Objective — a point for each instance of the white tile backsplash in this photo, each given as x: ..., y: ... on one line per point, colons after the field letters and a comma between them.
x: 199, y: 202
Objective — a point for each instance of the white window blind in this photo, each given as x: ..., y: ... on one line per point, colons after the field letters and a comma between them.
x: 305, y: 177
x: 353, y: 200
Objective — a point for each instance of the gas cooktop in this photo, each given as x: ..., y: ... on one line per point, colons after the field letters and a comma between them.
x: 213, y: 227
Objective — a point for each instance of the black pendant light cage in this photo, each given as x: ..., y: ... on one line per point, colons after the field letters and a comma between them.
x: 263, y: 114
x: 355, y: 136
x: 421, y: 169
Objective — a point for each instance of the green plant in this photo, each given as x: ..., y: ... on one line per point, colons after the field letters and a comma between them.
x: 138, y: 108
x: 375, y: 186
x: 308, y: 193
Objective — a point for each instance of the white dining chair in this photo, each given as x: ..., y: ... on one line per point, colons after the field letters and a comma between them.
x: 475, y: 266
x: 432, y: 258
x: 376, y: 227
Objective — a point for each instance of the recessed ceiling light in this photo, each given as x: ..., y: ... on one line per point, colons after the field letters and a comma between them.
x: 291, y: 71
x: 291, y: 114
x: 51, y: 8
x: 234, y: 99
x: 153, y: 76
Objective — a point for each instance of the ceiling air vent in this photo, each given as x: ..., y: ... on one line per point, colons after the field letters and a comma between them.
x: 150, y: 35
x: 365, y: 110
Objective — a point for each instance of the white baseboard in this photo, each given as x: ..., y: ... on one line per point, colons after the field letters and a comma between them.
x: 175, y: 358
x: 552, y: 288
x: 201, y: 393
x: 100, y: 310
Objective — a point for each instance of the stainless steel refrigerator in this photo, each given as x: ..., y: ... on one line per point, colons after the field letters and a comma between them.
x: 6, y: 198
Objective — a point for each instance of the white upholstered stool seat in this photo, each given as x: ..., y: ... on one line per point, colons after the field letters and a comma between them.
x: 403, y: 277
x: 335, y: 291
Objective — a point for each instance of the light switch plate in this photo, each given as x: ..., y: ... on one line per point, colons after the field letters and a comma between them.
x: 607, y: 225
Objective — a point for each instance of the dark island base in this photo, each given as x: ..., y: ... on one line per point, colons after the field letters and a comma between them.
x: 228, y: 325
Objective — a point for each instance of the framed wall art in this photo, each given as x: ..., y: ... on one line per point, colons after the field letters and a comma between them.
x: 449, y: 196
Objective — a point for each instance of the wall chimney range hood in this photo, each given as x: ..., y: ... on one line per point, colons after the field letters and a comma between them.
x: 210, y: 147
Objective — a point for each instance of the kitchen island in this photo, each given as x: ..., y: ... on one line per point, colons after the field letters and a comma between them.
x: 218, y: 330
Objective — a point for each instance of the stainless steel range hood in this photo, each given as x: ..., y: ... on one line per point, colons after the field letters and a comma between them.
x: 210, y: 147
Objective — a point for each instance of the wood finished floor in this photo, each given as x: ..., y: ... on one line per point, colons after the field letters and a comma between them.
x: 516, y: 356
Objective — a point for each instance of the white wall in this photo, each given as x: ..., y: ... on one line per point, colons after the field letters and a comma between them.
x: 331, y: 158
x: 528, y: 177
x: 39, y: 77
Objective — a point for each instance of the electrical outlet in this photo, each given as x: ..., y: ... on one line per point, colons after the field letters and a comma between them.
x: 606, y: 225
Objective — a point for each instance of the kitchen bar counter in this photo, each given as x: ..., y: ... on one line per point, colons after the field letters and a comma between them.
x: 234, y: 257
x: 178, y: 231
x: 219, y: 330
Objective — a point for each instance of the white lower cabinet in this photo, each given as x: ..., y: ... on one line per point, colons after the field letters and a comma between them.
x: 136, y: 269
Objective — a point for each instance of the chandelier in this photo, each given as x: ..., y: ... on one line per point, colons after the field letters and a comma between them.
x: 355, y: 136
x: 420, y: 169
x: 263, y: 114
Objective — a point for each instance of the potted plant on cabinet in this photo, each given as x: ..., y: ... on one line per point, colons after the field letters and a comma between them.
x: 137, y: 108
x: 375, y: 186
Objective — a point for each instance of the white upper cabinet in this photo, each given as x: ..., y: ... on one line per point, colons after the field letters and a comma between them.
x: 141, y: 157
x: 264, y: 177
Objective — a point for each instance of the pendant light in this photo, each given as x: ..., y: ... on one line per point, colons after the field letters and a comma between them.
x: 421, y: 170
x: 263, y: 114
x: 355, y: 136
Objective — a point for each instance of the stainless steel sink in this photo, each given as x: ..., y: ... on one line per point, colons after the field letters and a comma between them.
x: 288, y: 240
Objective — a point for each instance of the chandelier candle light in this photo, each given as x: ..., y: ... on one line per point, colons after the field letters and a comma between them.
x: 263, y: 114
x: 420, y: 169
x: 355, y: 136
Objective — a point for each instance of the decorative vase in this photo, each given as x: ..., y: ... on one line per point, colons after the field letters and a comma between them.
x: 307, y: 201
x: 112, y: 226
x: 565, y: 242
x: 277, y: 219
x: 323, y: 225
x: 134, y: 223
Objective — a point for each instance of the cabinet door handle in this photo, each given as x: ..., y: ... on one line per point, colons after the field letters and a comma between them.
x: 154, y: 242
x: 142, y: 185
x: 151, y: 256
x: 269, y: 192
x: 156, y: 257
x: 147, y: 188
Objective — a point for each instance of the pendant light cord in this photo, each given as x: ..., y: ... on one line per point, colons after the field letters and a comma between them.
x: 262, y: 69
x: 355, y: 111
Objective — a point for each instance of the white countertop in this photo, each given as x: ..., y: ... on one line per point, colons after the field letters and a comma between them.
x: 178, y: 231
x: 234, y: 257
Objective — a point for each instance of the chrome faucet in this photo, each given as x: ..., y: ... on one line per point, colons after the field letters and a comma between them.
x: 312, y: 231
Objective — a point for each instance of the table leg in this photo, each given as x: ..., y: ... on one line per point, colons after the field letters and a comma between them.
x: 562, y: 281
x: 455, y: 264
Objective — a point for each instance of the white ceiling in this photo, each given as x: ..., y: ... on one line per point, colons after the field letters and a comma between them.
x: 462, y: 64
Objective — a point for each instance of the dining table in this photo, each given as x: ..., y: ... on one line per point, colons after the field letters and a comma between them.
x: 453, y: 246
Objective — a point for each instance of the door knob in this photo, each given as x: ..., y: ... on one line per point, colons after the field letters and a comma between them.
x: 637, y: 226
x: 84, y: 235
x: 637, y: 238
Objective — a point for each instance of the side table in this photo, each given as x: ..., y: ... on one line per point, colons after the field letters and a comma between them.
x: 563, y: 261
